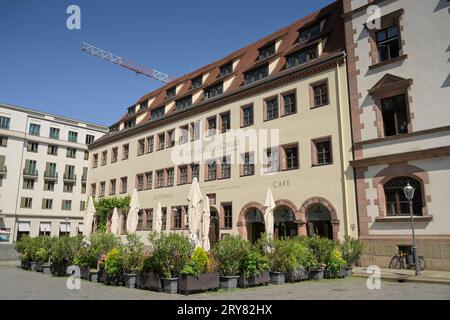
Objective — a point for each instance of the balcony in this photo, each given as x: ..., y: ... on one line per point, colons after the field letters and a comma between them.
x: 3, y: 171
x: 30, y: 173
x: 70, y: 177
x: 50, y: 175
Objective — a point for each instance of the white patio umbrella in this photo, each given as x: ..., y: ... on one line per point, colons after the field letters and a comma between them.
x: 205, y: 226
x: 195, y: 200
x: 268, y: 214
x: 89, y: 218
x: 115, y: 220
x: 133, y: 214
x: 158, y: 219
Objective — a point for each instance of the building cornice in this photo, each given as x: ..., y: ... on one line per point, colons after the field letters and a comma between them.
x: 349, y: 14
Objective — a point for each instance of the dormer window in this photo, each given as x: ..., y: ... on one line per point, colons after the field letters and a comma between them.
x: 131, y: 110
x: 114, y: 129
x: 300, y: 57
x: 158, y: 113
x: 129, y: 124
x: 183, y: 103
x: 197, y: 82
x: 171, y: 93
x: 266, y: 52
x: 213, y: 91
x: 226, y: 70
x: 256, y: 74
x: 310, y: 33
x: 144, y: 106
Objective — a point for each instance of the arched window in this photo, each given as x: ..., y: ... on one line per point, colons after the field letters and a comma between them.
x: 396, y: 202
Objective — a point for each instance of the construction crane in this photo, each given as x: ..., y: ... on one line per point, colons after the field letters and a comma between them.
x: 125, y: 63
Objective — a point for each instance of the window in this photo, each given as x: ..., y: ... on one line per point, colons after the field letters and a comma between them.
x: 66, y: 205
x: 32, y: 146
x: 140, y: 182
x: 228, y: 215
x: 195, y: 129
x: 112, y: 186
x: 271, y: 160
x: 170, y: 177
x: 69, y: 173
x: 93, y: 190
x: 197, y: 82
x: 131, y: 110
x: 83, y: 188
x: 212, y: 170
x: 395, y: 115
x: 214, y: 91
x: 123, y: 185
x: 291, y: 154
x: 143, y: 106
x: 86, y: 155
x: 47, y: 204
x: 148, y: 180
x: 211, y: 124
x: 266, y: 52
x: 183, y: 135
x: 247, y: 116
x: 129, y: 124
x: 320, y: 94
x: 396, y: 202
x: 4, y: 122
x: 28, y: 184
x: 68, y: 187
x: 310, y: 33
x: 148, y: 219
x: 212, y: 199
x: 289, y: 104
x: 225, y: 168
x: 225, y: 122
x: 50, y: 170
x: 95, y: 160
x: 125, y: 151
x: 2, y: 164
x: 26, y: 203
x: 49, y: 185
x: 114, y: 154
x: 30, y: 168
x: 141, y: 147
x: 3, y: 141
x: 195, y: 170
x: 226, y: 70
x: 85, y: 173
x: 89, y: 139
x: 170, y: 138
x: 248, y: 168
x: 323, y: 155
x: 171, y: 93
x: 388, y: 43
x: 177, y: 214
x: 158, y: 113
x: 301, y: 57
x: 82, y: 205
x: 164, y: 218
x: 159, y: 179
x: 102, y: 188
x: 183, y: 173
x: 54, y: 133
x: 150, y: 143
x: 73, y: 136
x: 271, y: 109
x: 52, y: 150
x: 161, y: 141
x: 71, y: 153
x: 34, y: 130
x: 256, y: 74
x: 183, y: 103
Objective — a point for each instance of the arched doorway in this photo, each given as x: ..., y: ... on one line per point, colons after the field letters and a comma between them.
x: 254, y: 220
x: 318, y: 219
x: 284, y: 219
x: 214, y: 227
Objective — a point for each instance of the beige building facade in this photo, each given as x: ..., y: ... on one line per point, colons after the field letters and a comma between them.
x: 273, y: 115
x: 399, y: 96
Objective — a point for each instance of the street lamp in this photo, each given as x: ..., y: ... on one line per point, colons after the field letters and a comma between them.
x: 409, y: 194
x: 175, y: 213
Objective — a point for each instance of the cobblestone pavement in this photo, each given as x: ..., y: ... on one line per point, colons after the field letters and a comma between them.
x: 19, y: 284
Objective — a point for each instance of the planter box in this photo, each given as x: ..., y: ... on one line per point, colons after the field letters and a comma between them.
x: 85, y: 272
x: 297, y: 275
x: 227, y: 282
x: 129, y: 281
x: 93, y: 276
x: 334, y: 275
x: 348, y: 272
x: 200, y: 283
x: 246, y: 282
x: 277, y: 278
x: 149, y: 281
x: 315, y: 274
x: 113, y: 280
x: 101, y: 277
x: 170, y: 285
x: 47, y: 268
x: 40, y: 266
x: 26, y: 265
x: 59, y: 269
x: 33, y: 266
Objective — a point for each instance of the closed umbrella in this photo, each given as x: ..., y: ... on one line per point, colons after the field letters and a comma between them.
x: 89, y: 218
x: 269, y: 212
x: 205, y: 226
x: 158, y: 219
x: 115, y: 220
x: 195, y: 200
x: 133, y: 214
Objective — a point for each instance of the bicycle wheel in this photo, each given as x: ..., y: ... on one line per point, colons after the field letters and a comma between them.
x: 396, y: 263
x: 422, y: 263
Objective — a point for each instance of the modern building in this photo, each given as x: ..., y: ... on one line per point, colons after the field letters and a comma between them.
x: 290, y: 86
x: 43, y: 172
x: 399, y: 81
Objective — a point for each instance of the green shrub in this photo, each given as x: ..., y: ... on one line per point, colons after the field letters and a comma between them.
x: 201, y: 260
x: 283, y: 257
x: 255, y: 263
x: 336, y: 262
x: 190, y: 269
x: 114, y: 263
x: 23, y: 247
x: 99, y: 244
x: 133, y: 254
x: 229, y: 254
x: 149, y: 264
x: 64, y: 249
x: 264, y: 244
x: 44, y: 249
x: 351, y: 249
x: 321, y: 248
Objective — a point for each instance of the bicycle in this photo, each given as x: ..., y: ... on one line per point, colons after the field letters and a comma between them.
x: 400, y: 261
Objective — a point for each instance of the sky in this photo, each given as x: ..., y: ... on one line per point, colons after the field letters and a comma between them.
x: 43, y: 68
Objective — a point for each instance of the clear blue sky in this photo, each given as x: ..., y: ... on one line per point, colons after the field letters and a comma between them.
x: 42, y: 67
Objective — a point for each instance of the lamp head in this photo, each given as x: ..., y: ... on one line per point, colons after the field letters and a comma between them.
x: 409, y: 191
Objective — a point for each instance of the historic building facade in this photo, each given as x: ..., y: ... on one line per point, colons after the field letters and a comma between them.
x: 43, y: 172
x: 399, y: 85
x: 291, y: 84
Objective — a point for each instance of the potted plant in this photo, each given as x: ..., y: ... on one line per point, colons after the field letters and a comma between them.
x: 255, y: 270
x: 133, y: 256
x: 23, y: 247
x: 114, y: 267
x: 335, y: 266
x: 302, y: 255
x: 321, y: 249
x: 230, y: 253
x: 197, y: 275
x: 149, y: 277
x: 282, y: 260
x: 62, y: 254
x: 43, y: 254
x: 352, y: 250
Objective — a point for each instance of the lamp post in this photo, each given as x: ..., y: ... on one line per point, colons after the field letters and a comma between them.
x: 175, y: 213
x: 409, y: 194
